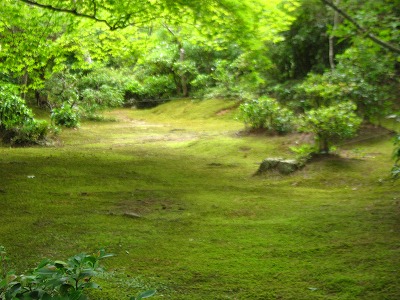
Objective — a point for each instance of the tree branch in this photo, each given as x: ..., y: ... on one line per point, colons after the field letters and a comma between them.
x: 75, y: 12
x: 361, y: 29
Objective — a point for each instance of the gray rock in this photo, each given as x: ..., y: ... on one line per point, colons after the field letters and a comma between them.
x: 283, y: 166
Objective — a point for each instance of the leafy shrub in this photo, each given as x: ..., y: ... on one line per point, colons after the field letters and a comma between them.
x: 17, y: 123
x: 230, y: 79
x: 158, y: 87
x: 134, y: 93
x: 94, y: 100
x: 331, y: 124
x: 101, y: 88
x: 31, y: 131
x: 150, y: 91
x: 185, y: 68
x: 369, y: 78
x: 13, y: 110
x: 319, y: 90
x: 344, y: 84
x: 266, y: 113
x: 363, y: 75
x: 304, y: 152
x: 202, y: 81
x: 65, y: 116
x: 253, y: 114
x: 89, y: 93
x: 282, y: 121
x: 62, y: 87
x: 55, y: 279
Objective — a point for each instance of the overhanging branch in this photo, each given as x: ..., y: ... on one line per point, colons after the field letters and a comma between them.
x: 75, y: 12
x: 361, y: 29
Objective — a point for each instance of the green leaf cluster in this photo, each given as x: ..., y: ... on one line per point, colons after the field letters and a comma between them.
x: 266, y: 113
x: 55, y: 279
x: 65, y: 116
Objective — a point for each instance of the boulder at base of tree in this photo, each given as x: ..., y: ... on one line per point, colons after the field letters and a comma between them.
x: 283, y: 166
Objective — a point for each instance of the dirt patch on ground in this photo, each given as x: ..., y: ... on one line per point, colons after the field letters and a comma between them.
x: 144, y: 203
x: 224, y: 111
x: 131, y: 131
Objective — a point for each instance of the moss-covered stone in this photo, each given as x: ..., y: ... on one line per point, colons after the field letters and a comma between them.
x: 283, y: 166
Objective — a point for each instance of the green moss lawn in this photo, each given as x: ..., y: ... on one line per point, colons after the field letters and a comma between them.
x: 171, y: 192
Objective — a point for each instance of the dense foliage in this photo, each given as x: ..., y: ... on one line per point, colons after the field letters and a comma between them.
x: 17, y: 122
x: 77, y: 58
x: 331, y: 124
x: 266, y: 113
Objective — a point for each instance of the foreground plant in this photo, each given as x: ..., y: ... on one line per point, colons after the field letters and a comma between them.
x: 55, y: 279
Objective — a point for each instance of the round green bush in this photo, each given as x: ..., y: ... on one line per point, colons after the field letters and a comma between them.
x: 65, y: 116
x: 266, y: 113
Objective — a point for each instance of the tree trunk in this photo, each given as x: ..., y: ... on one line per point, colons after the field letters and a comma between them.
x: 185, y: 90
x: 323, y: 145
x: 183, y: 86
x: 332, y: 38
x: 25, y: 85
x: 41, y: 100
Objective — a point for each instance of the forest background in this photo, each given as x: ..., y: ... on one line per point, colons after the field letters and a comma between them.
x: 76, y: 58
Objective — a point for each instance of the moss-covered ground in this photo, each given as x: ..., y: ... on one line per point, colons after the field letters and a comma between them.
x: 206, y: 228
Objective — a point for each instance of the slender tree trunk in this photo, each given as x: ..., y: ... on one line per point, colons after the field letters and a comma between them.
x: 185, y: 90
x: 25, y: 85
x: 332, y: 38
x: 41, y: 100
x: 183, y: 85
x: 323, y: 145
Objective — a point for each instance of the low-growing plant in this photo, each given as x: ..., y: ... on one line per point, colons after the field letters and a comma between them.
x: 65, y: 116
x: 253, y: 114
x: 282, y: 121
x: 3, y: 263
x: 31, y: 131
x: 17, y: 122
x: 266, y: 113
x: 304, y: 152
x: 55, y: 279
x: 331, y: 124
x: 13, y: 109
x: 89, y: 92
